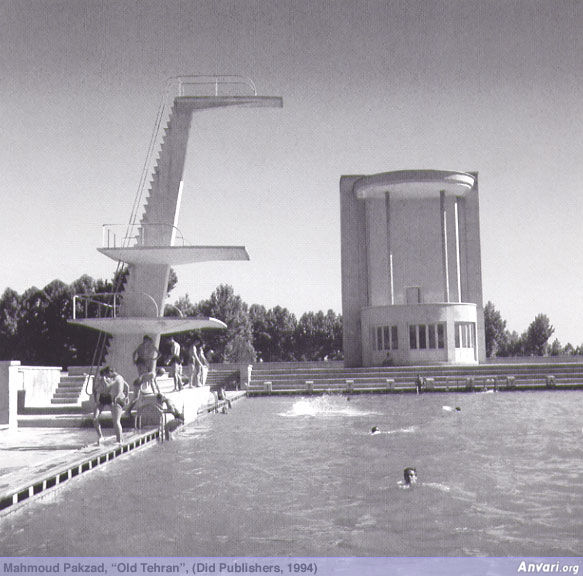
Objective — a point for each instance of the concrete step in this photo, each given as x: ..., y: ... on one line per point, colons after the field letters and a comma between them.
x: 78, y: 371
x: 567, y: 367
x: 407, y: 384
x: 70, y: 385
x: 409, y: 375
x: 70, y: 421
x: 69, y: 389
x: 55, y: 421
x: 53, y: 409
x: 60, y: 400
x: 336, y: 376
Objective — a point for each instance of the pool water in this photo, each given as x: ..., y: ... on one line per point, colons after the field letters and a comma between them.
x: 276, y: 476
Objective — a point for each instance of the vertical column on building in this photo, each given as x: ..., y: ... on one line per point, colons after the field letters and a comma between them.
x: 389, y: 250
x: 444, y: 255
x: 457, y: 250
x: 354, y: 260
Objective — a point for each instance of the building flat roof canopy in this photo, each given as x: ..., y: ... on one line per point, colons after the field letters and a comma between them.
x: 414, y: 183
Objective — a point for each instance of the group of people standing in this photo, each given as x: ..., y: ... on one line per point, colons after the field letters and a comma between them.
x: 196, y: 361
x: 111, y: 391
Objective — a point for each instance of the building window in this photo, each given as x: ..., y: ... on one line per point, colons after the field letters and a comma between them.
x: 422, y: 336
x: 465, y: 334
x: 426, y: 336
x: 431, y: 334
x: 413, y: 337
x: 384, y: 338
x: 440, y: 336
x: 387, y: 337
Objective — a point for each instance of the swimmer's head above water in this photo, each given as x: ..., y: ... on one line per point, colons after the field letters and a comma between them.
x: 375, y: 430
x: 410, y: 476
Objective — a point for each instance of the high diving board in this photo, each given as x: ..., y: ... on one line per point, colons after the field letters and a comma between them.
x: 205, y: 102
x: 175, y: 255
x: 143, y: 325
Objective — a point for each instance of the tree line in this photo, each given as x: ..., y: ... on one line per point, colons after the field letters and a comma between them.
x: 34, y: 327
x: 534, y: 341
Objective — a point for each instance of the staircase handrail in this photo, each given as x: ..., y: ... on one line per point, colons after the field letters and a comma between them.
x: 108, y: 231
x: 175, y: 87
x: 180, y: 313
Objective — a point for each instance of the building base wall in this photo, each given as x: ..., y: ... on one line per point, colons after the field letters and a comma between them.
x: 383, y: 349
x: 189, y: 402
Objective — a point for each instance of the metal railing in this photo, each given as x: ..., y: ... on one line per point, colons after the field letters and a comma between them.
x: 216, y: 82
x: 130, y: 235
x: 110, y: 303
x: 180, y: 314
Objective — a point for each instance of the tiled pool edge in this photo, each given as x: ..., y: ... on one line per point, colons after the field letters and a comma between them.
x: 41, y: 483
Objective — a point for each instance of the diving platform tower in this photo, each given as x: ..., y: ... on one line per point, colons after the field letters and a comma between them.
x: 151, y: 245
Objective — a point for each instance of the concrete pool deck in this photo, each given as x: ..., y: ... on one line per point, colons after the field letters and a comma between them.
x: 36, y: 459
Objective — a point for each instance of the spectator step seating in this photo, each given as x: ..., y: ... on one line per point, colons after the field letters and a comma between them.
x: 336, y: 379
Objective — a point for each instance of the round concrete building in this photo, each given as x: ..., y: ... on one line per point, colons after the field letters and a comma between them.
x: 411, y: 268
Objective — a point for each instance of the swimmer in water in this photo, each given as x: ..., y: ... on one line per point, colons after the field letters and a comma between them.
x: 375, y: 430
x: 451, y: 409
x: 409, y: 476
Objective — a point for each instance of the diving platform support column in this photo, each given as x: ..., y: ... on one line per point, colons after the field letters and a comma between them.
x: 146, y: 288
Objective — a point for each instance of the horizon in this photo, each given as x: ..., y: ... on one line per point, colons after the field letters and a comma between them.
x: 467, y: 86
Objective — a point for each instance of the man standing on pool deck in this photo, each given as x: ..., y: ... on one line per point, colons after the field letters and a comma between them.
x: 174, y: 363
x: 204, y: 366
x: 145, y: 356
x: 195, y: 363
x: 110, y: 391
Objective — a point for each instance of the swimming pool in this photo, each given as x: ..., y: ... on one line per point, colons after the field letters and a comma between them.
x: 303, y: 476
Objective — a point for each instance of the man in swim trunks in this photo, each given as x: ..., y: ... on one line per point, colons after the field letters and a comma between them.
x: 204, y: 366
x: 174, y: 363
x: 110, y: 392
x: 145, y: 356
x: 194, y: 363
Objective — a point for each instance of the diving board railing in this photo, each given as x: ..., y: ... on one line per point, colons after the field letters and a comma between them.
x: 217, y: 84
x: 106, y: 304
x: 130, y: 235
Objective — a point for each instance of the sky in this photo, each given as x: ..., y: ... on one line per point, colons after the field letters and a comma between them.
x: 368, y: 86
